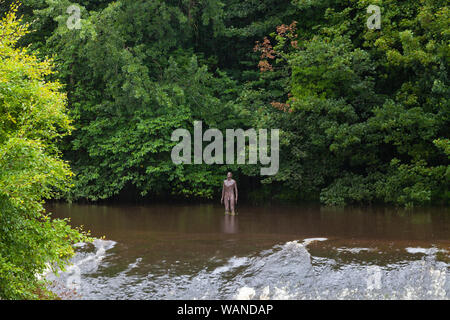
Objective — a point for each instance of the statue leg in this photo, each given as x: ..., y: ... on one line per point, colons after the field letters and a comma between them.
x: 232, y: 203
x: 227, y: 205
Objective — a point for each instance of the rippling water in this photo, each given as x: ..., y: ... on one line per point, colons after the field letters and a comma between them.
x: 196, y: 252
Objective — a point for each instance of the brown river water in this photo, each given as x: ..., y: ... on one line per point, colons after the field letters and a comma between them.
x: 175, y: 251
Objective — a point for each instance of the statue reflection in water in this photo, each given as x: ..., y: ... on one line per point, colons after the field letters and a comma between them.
x: 230, y: 224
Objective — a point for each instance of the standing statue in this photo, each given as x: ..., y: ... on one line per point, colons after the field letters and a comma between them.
x: 229, y: 194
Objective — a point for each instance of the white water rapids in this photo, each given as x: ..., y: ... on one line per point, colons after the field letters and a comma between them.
x: 285, y: 271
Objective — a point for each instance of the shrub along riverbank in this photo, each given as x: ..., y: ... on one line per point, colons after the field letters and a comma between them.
x: 32, y: 119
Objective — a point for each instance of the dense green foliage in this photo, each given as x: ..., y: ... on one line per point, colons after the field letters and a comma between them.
x: 368, y: 110
x: 32, y: 119
x: 364, y: 114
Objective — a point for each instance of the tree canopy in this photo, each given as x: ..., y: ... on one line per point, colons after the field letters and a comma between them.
x: 363, y: 113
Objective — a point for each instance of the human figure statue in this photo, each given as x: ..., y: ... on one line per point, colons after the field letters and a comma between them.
x: 229, y: 194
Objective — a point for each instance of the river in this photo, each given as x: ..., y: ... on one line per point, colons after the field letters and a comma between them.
x: 175, y: 251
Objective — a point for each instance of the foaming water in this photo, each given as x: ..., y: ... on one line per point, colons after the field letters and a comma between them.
x: 286, y: 271
x: 87, y: 260
x: 154, y: 256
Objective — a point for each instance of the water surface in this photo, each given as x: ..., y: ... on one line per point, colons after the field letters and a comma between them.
x: 280, y: 252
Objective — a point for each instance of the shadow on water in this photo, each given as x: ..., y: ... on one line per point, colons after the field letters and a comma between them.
x: 197, y: 252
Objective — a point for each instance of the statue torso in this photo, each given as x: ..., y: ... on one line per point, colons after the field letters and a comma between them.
x: 229, y: 186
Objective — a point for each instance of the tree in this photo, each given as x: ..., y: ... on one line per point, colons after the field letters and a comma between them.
x: 33, y: 118
x: 367, y: 113
x: 364, y: 113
